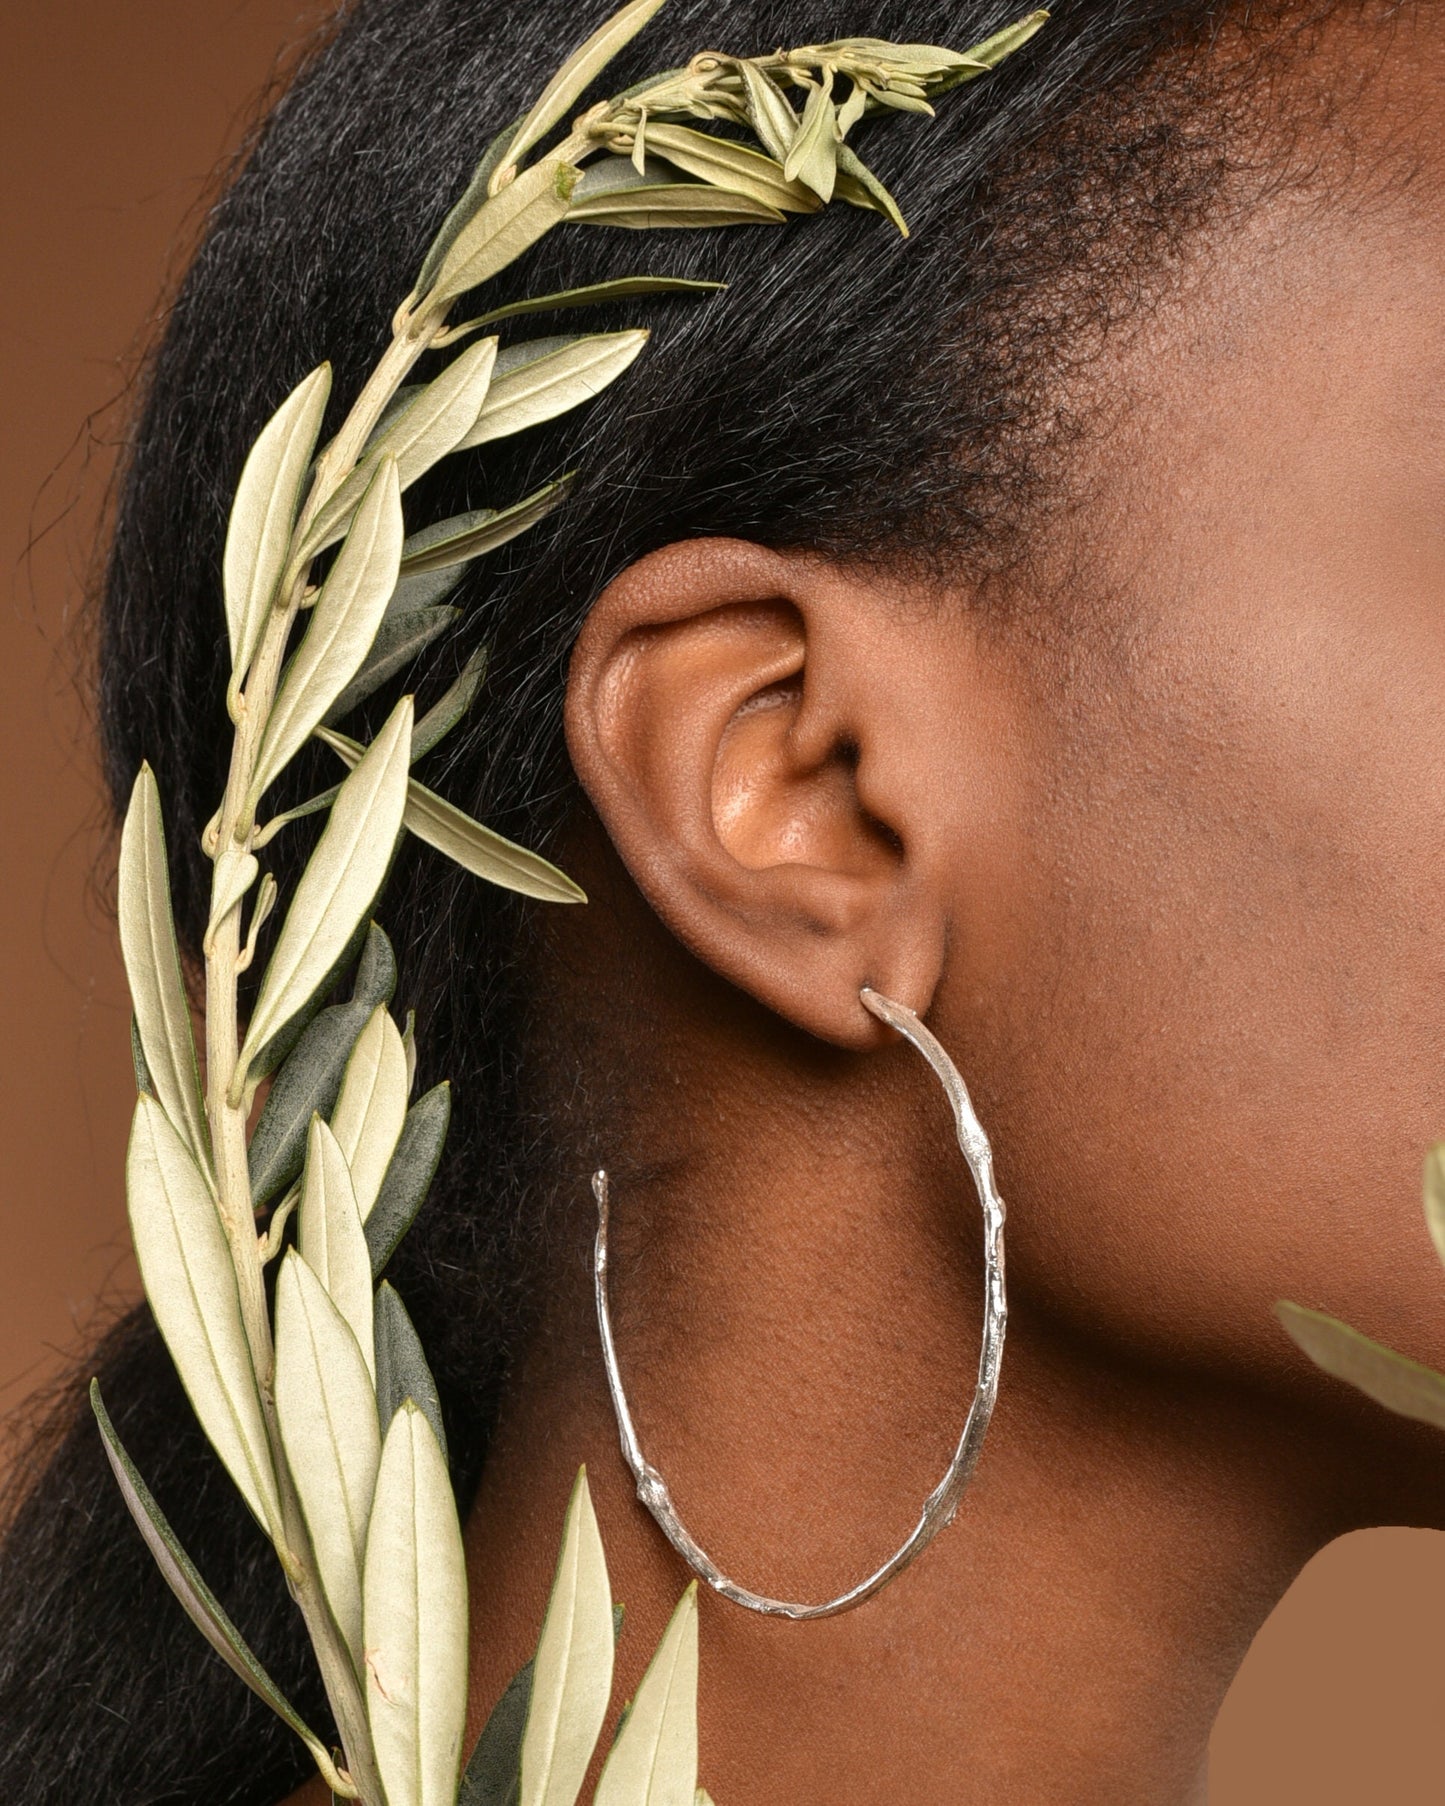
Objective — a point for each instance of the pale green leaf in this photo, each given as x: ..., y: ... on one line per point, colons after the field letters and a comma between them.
x: 399, y: 639
x: 593, y: 294
x: 702, y: 1797
x: 418, y: 435
x: 612, y: 193
x: 572, y: 1674
x: 859, y: 187
x: 654, y: 1760
x: 201, y: 1605
x: 416, y: 1619
x: 185, y: 1264
x: 342, y: 628
x: 540, y: 387
x: 509, y: 224
x: 1435, y: 1196
x: 402, y: 1372
x: 309, y: 1080
x: 331, y: 1240
x: 409, y: 1176
x: 466, y: 536
x: 813, y: 155
x: 732, y: 166
x: 338, y: 886
x: 153, y: 967
x: 371, y: 1109
x: 258, y: 537
x: 774, y: 121
x: 143, y: 1079
x: 232, y: 876
x: 992, y: 51
x: 577, y: 74
x: 472, y: 198
x: 421, y: 589
x: 327, y: 1412
x: 900, y: 99
x: 1390, y: 1379
x: 450, y: 707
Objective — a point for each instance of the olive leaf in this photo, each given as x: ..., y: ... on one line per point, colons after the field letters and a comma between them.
x: 510, y: 223
x: 415, y: 1617
x: 419, y: 434
x: 577, y: 74
x: 409, y: 1176
x: 813, y: 155
x: 774, y: 121
x: 401, y: 1367
x: 331, y: 1240
x: 1390, y: 1379
x: 162, y: 1012
x: 343, y: 626
x: 572, y: 1672
x: 537, y: 387
x: 613, y: 194
x: 473, y: 196
x: 201, y: 1605
x: 258, y: 536
x: 1435, y: 1196
x: 399, y: 639
x: 450, y: 706
x: 462, y: 537
x: 859, y: 187
x: 992, y: 51
x: 591, y: 294
x: 371, y: 1109
x: 143, y: 1079
x: 235, y: 872
x: 186, y: 1269
x: 327, y: 1412
x: 493, y: 1773
x: 309, y: 1080
x: 338, y: 886
x: 732, y: 166
x: 654, y: 1760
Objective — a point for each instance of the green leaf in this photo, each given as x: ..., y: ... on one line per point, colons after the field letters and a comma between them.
x: 509, y: 224
x: 309, y: 1081
x: 418, y: 435
x: 338, y: 886
x: 1390, y: 1379
x: 992, y: 51
x: 409, y: 1176
x: 201, y: 1605
x: 331, y: 1240
x: 654, y: 1760
x: 773, y: 119
x: 572, y: 1676
x: 399, y: 639
x: 592, y: 294
x: 401, y: 1367
x: 731, y: 166
x: 416, y: 1619
x: 343, y: 626
x: 612, y: 193
x: 473, y: 196
x: 540, y: 384
x: 1435, y: 1196
x: 143, y: 1079
x: 232, y: 876
x: 859, y: 187
x: 813, y: 155
x: 371, y: 1109
x: 450, y: 707
x: 466, y: 536
x: 153, y: 967
x: 327, y: 1412
x: 258, y: 537
x: 494, y: 1774
x: 577, y: 74
x: 185, y: 1264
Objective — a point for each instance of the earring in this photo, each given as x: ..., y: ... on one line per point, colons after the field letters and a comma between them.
x: 942, y: 1502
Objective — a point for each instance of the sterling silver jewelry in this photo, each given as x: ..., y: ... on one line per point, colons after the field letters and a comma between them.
x: 942, y: 1502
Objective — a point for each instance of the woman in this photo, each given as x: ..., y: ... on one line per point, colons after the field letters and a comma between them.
x: 1034, y: 619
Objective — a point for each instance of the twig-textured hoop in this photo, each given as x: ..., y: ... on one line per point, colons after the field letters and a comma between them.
x: 942, y: 1502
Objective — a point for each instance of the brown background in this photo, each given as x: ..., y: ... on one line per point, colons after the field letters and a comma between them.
x: 114, y: 118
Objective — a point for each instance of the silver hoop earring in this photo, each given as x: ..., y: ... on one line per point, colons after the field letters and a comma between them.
x: 942, y: 1502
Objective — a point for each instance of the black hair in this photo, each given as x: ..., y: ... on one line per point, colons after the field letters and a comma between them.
x: 856, y: 393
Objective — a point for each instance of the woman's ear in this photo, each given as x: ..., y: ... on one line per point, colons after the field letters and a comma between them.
x: 754, y: 731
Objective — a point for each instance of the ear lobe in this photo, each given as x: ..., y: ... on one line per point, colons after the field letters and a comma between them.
x: 722, y: 719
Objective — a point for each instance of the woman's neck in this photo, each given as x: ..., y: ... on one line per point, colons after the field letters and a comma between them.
x: 799, y: 1371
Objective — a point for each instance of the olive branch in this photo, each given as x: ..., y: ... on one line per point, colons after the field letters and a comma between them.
x: 322, y: 1408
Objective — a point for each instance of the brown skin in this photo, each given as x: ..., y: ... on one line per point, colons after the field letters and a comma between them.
x: 1167, y: 882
